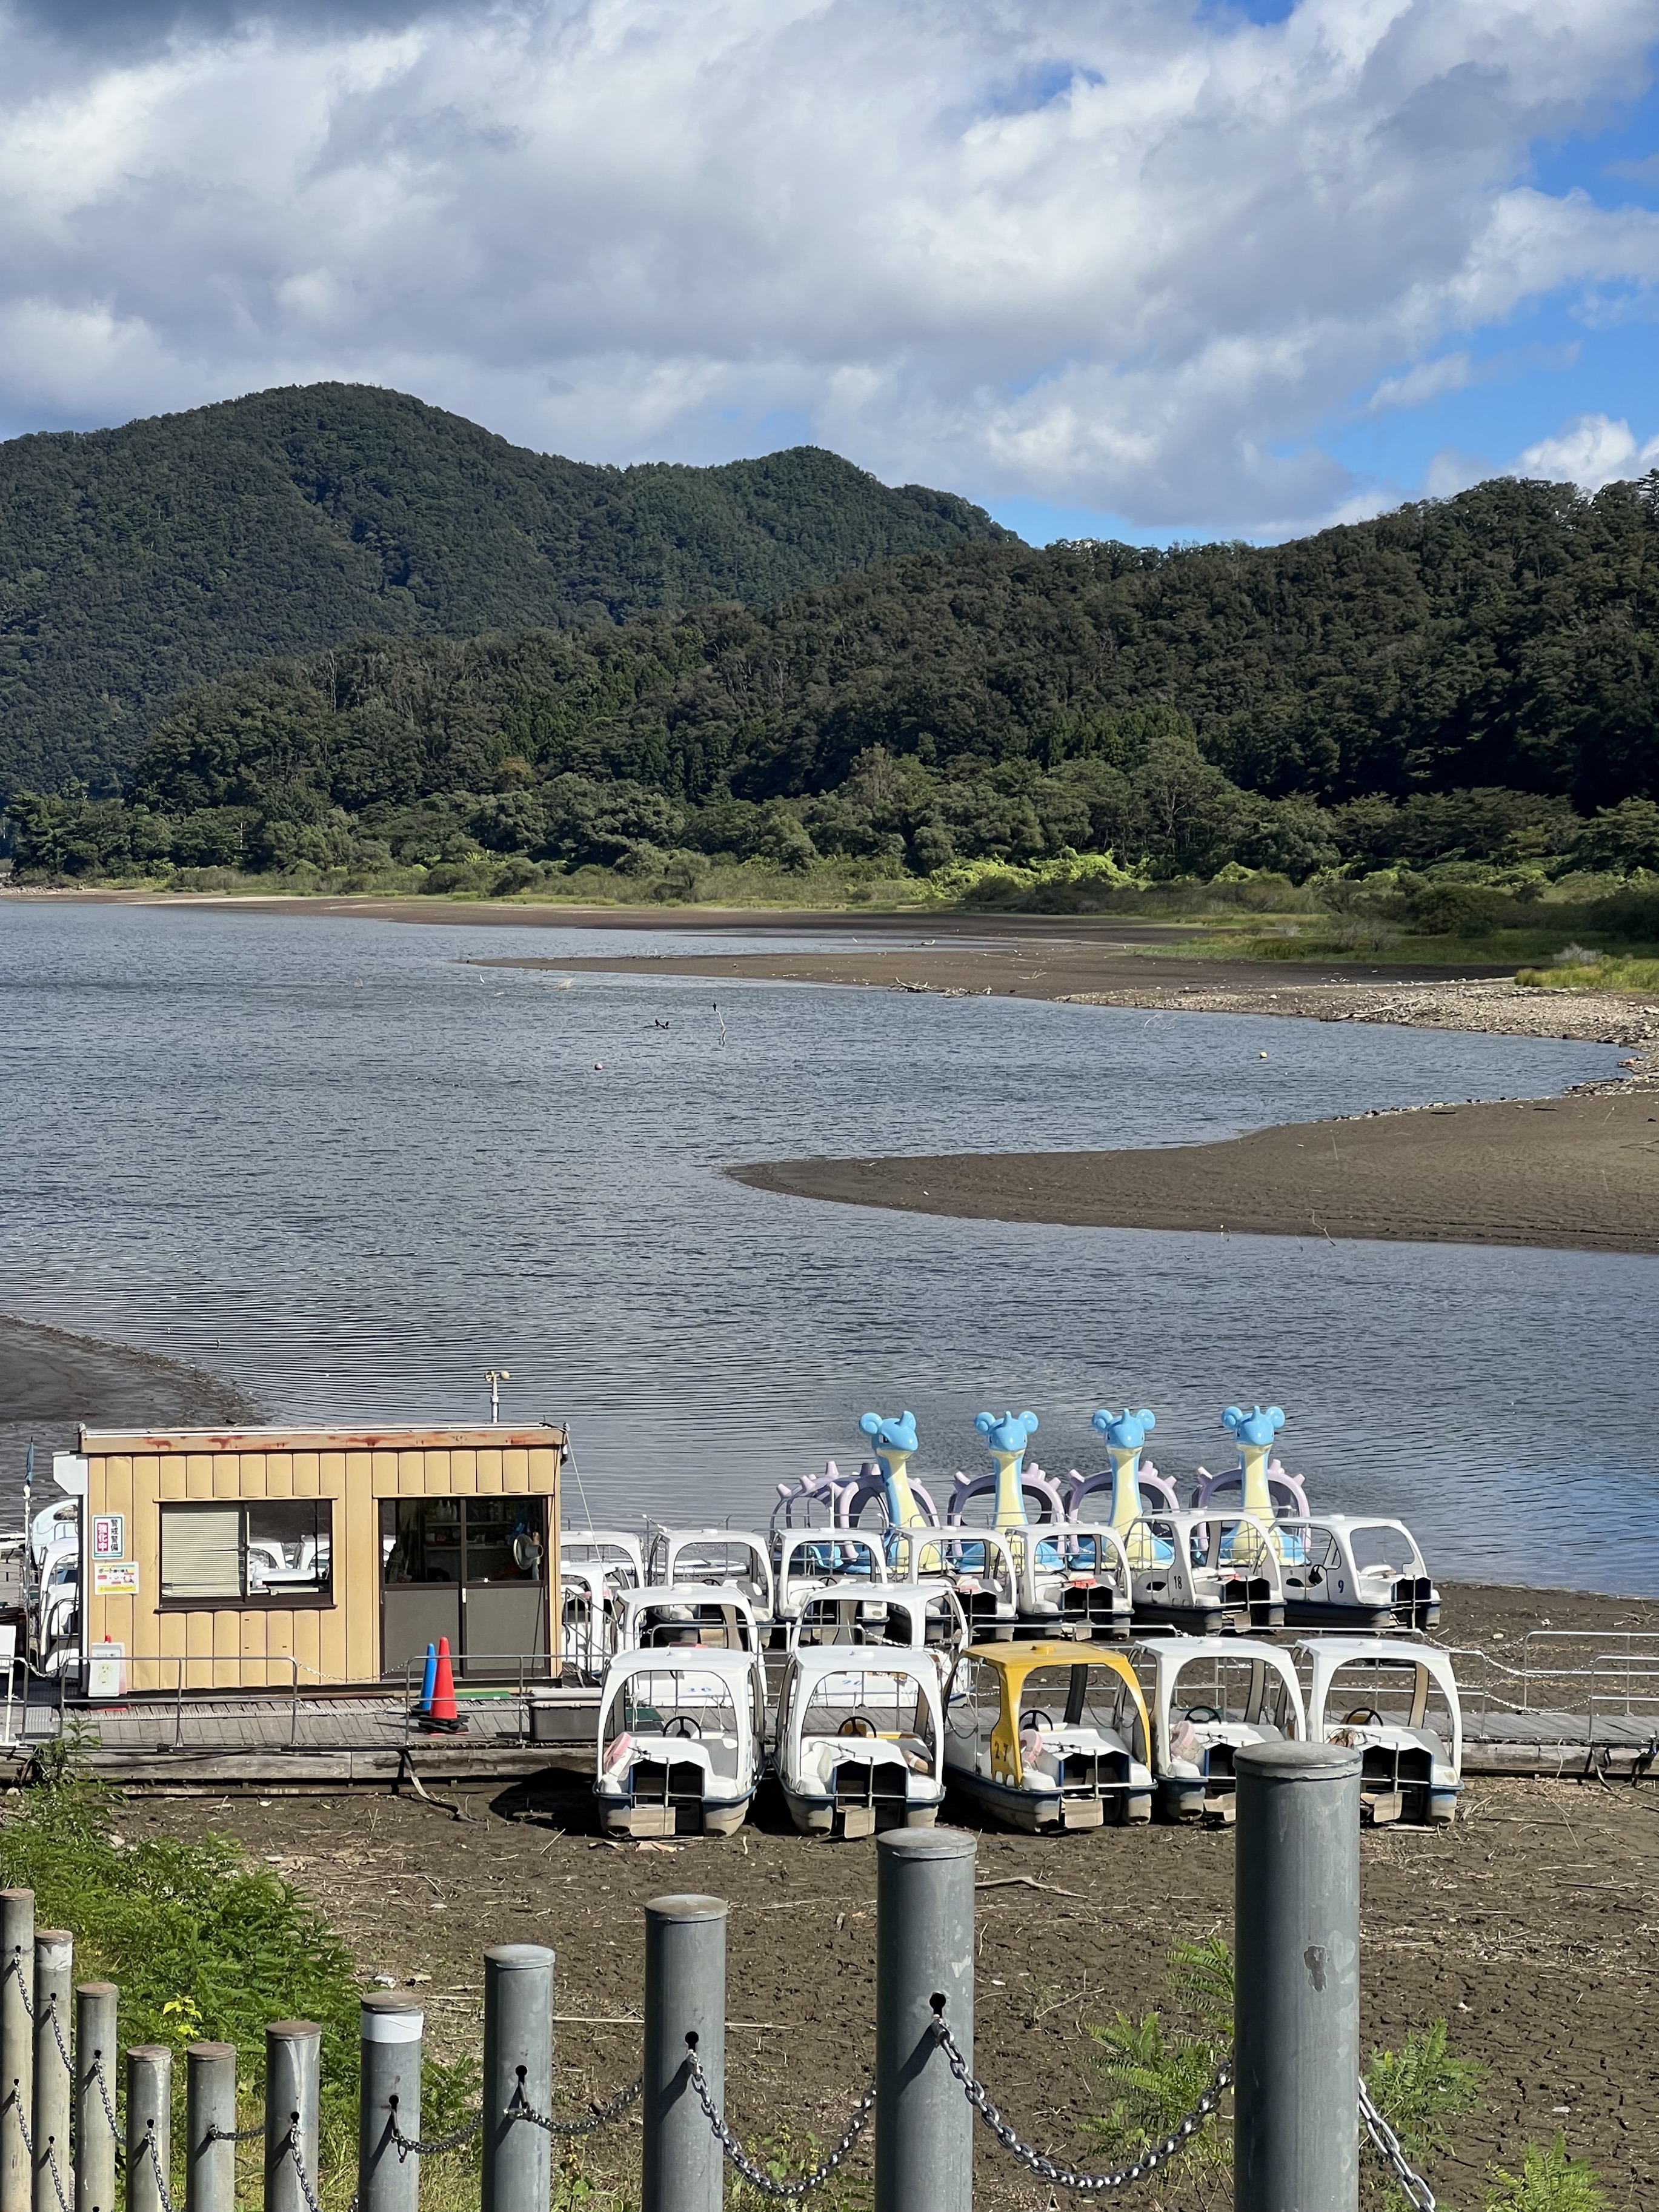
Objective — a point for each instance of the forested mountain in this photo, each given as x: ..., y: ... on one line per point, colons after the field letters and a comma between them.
x: 1473, y: 679
x: 137, y: 562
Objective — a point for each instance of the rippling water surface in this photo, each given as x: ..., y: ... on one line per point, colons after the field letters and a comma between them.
x: 332, y: 1161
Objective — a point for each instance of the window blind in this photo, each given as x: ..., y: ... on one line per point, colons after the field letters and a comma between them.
x: 201, y: 1552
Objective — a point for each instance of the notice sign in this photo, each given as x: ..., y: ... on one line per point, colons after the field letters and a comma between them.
x: 109, y: 1535
x: 108, y: 1671
x: 115, y: 1577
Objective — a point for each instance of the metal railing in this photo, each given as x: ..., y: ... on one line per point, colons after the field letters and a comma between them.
x: 923, y: 2094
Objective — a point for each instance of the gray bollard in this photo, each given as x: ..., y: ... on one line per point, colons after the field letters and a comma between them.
x: 17, y: 2047
x: 149, y: 2112
x: 390, y: 2098
x: 54, y: 2069
x: 293, y: 2049
x: 683, y: 2167
x: 924, y: 1950
x: 1295, y: 2010
x: 96, y: 2057
x: 517, y: 2070
x: 209, y: 2117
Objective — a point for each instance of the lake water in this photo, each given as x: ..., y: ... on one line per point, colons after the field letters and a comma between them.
x: 332, y: 1161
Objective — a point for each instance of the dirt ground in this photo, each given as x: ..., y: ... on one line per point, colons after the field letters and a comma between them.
x: 1530, y: 1926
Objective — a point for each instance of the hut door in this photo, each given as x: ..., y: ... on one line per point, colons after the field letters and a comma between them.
x: 420, y: 1580
x: 467, y: 1568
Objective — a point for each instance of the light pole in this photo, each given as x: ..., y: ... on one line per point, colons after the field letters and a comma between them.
x: 496, y: 1376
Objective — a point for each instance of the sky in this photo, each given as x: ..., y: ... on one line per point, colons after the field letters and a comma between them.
x: 1131, y: 268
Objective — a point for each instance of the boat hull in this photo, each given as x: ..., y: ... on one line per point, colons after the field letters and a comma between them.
x: 822, y: 1815
x: 619, y: 1816
x: 1047, y: 1812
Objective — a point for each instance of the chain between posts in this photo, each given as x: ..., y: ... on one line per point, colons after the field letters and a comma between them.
x: 1086, y: 2184
x: 407, y: 2147
x: 58, y: 2038
x: 1387, y: 2146
x: 756, y: 2176
x: 153, y: 2150
x: 15, y: 1966
x: 95, y: 2073
x: 291, y: 2145
x: 57, y: 2179
x: 520, y: 2110
x: 234, y: 2135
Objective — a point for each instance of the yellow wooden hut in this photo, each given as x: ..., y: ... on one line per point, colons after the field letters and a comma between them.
x: 251, y: 1558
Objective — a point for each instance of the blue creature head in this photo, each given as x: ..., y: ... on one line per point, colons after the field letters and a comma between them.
x: 1255, y: 1430
x: 896, y: 1434
x: 1125, y: 1431
x: 1010, y: 1433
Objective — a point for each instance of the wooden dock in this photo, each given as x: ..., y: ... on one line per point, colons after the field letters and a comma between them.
x: 322, y: 1742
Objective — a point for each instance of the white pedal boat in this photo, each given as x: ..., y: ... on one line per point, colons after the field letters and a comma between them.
x: 919, y: 1616
x: 979, y: 1564
x: 1211, y: 1694
x: 680, y: 1743
x: 733, y: 1557
x: 810, y: 1563
x: 664, y: 1616
x: 1348, y: 1571
x: 1048, y: 1736
x: 859, y: 1745
x: 1206, y: 1573
x: 1074, y: 1578
x: 1397, y: 1702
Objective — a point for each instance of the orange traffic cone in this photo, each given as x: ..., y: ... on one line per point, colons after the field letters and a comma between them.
x: 444, y: 1712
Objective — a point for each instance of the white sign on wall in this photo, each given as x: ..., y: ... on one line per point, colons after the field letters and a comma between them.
x: 109, y: 1535
x: 115, y: 1578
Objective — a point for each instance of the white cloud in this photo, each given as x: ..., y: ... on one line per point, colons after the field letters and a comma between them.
x: 1592, y: 450
x: 1124, y: 258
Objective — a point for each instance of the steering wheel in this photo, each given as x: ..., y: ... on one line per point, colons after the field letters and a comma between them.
x: 1363, y: 1717
x: 1036, y: 1719
x: 857, y: 1724
x: 1202, y: 1713
x: 681, y: 1724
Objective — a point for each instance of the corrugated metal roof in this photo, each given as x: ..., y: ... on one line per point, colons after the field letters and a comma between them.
x: 100, y: 1443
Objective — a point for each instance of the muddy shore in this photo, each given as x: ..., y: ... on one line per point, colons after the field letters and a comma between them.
x: 51, y: 1379
x: 1528, y: 1926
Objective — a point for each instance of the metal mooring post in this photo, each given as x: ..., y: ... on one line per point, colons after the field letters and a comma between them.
x: 517, y: 2071
x: 17, y: 2047
x: 683, y: 2167
x: 209, y: 2115
x: 293, y: 2055
x: 54, y: 2071
x: 95, y: 2065
x: 924, y: 1951
x: 1296, y: 2032
x: 149, y: 2113
x: 389, y: 2105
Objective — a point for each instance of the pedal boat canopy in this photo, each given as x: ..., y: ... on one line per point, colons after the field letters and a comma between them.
x: 680, y: 1743
x: 1049, y: 1736
x: 1211, y: 1694
x: 1396, y: 1702
x: 860, y: 1743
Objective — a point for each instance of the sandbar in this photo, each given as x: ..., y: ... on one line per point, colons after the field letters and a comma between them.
x: 1577, y: 1173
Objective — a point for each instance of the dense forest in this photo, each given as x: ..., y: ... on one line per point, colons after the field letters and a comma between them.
x: 1471, y: 680
x: 137, y: 562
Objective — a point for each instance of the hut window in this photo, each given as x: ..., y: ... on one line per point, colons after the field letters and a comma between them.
x: 270, y: 1552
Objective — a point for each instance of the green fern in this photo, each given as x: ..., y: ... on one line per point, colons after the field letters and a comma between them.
x: 1549, y: 2181
x: 1422, y: 2085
